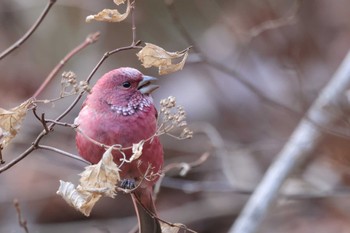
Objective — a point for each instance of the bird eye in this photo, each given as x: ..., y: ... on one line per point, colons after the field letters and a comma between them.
x: 126, y: 84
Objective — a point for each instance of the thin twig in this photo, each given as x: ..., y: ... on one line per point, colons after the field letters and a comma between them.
x: 274, y: 24
x: 175, y: 225
x: 133, y: 24
x: 305, y: 139
x: 42, y: 120
x: 65, y: 124
x: 185, y: 167
x: 21, y: 156
x: 90, y: 39
x: 62, y: 152
x: 109, y: 53
x: 35, y: 113
x: 21, y: 222
x: 29, y: 32
x: 2, y: 161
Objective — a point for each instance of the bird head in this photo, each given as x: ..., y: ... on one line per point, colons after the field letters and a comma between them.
x: 123, y: 87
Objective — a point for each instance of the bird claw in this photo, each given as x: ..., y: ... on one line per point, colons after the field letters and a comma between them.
x: 128, y: 184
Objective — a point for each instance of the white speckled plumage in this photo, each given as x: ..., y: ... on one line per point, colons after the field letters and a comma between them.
x: 136, y: 104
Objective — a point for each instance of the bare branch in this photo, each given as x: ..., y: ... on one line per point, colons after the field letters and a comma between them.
x: 275, y: 23
x: 65, y: 153
x: 2, y: 161
x: 42, y: 120
x: 185, y: 167
x: 65, y: 124
x: 90, y: 39
x: 21, y: 222
x: 29, y: 32
x: 20, y: 157
x: 133, y: 24
x: 304, y: 141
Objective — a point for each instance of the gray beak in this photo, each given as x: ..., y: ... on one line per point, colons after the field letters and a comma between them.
x: 146, y: 86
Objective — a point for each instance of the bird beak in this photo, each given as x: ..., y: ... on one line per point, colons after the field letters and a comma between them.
x: 146, y: 86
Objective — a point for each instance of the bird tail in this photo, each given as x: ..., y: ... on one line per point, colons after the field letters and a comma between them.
x: 146, y: 211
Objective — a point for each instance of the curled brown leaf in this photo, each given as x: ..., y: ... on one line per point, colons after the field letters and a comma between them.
x: 102, y: 176
x: 153, y: 55
x: 137, y: 150
x: 111, y: 15
x: 82, y: 201
x: 96, y: 181
x: 118, y: 2
x: 11, y: 121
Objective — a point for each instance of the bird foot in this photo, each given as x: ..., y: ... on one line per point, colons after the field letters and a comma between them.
x: 128, y: 184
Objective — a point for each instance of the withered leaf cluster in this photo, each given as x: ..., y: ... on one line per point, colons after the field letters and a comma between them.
x: 11, y: 121
x: 96, y: 181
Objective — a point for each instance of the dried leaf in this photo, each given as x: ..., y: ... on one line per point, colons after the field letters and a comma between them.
x: 110, y: 15
x: 11, y: 120
x: 153, y: 55
x: 137, y: 150
x: 118, y: 2
x: 82, y: 201
x: 101, y: 177
x: 167, y: 228
x: 96, y: 181
x: 173, y: 67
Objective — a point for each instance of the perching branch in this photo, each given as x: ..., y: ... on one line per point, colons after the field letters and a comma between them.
x: 302, y: 144
x: 29, y: 32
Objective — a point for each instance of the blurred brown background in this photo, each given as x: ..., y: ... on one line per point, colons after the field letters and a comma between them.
x: 250, y: 61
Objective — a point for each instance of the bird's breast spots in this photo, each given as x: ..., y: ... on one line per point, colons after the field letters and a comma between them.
x: 132, y: 107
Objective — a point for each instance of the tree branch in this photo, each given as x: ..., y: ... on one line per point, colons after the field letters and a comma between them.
x: 90, y: 39
x: 303, y: 142
x: 29, y: 32
x: 65, y: 153
x: 22, y: 223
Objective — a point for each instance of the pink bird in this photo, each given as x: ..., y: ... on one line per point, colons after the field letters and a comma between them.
x: 120, y: 110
